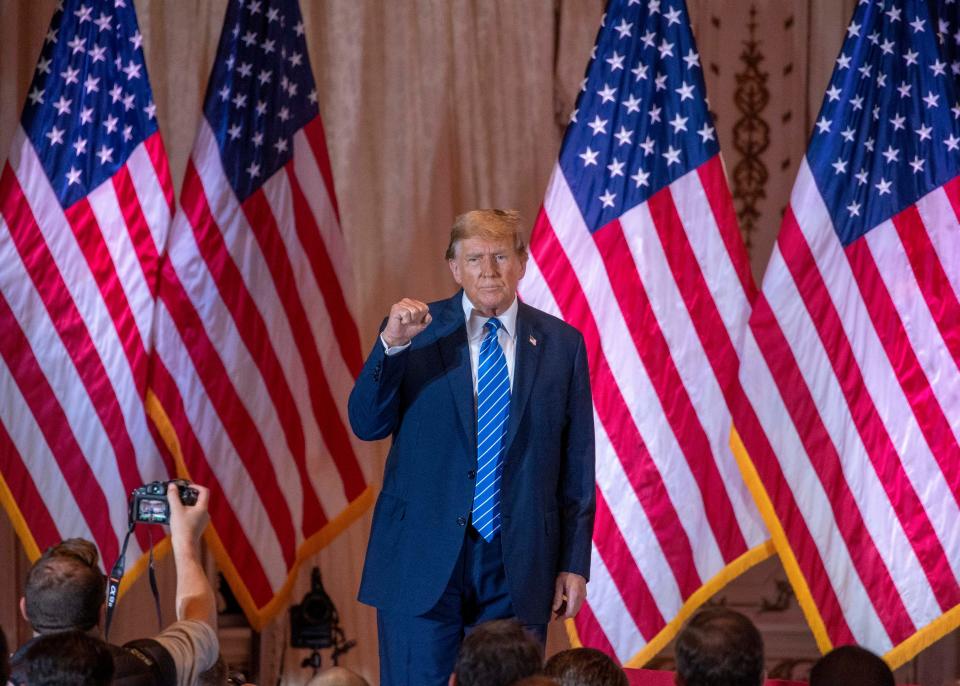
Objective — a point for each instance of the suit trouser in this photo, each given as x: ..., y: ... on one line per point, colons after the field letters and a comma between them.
x: 421, y: 650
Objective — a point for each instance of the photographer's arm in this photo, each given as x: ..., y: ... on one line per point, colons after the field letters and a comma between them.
x: 195, y: 597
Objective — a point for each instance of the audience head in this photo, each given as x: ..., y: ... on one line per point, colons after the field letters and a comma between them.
x: 65, y: 588
x: 337, y: 676
x: 497, y: 653
x: 851, y: 666
x: 537, y: 680
x: 585, y: 667
x: 70, y: 658
x: 719, y: 647
x: 215, y: 676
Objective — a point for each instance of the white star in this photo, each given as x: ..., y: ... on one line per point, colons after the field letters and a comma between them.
x: 110, y: 123
x: 573, y: 115
x: 615, y: 61
x: 76, y: 45
x: 647, y: 39
x: 150, y: 110
x: 615, y: 167
x: 105, y: 154
x: 660, y: 82
x: 897, y: 122
x: 255, y: 7
x: 257, y: 139
x: 931, y: 99
x: 91, y: 84
x: 853, y: 30
x: 685, y: 91
x: 73, y: 176
x: 273, y: 15
x: 253, y: 170
x: 924, y: 132
x: 80, y: 146
x: 103, y: 23
x: 917, y: 164
x: 268, y: 46
x: 55, y: 135
x: 607, y: 94
x: 312, y: 96
x: 299, y: 28
x: 128, y: 101
x: 132, y: 70
x: 706, y: 133
x: 624, y: 136
x: 857, y: 103
x: 952, y: 143
x: 589, y: 157
x: 692, y: 59
x: 655, y: 114
x: 833, y: 93
x: 249, y: 38
x: 128, y: 132
x: 917, y: 25
x: 641, y: 178
x: 887, y: 47
x: 70, y: 75
x: 884, y: 186
x: 665, y: 48
x: 240, y: 100
x: 876, y: 113
x: 224, y: 93
x: 881, y: 80
x: 632, y: 104
x: 840, y: 166
x: 904, y: 89
x: 911, y: 57
x: 648, y: 146
x: 672, y: 17
x: 848, y: 134
x: 608, y: 198
x: 36, y: 95
x: 672, y: 155
x: 284, y: 114
x: 894, y: 14
x: 868, y: 144
x: 843, y: 62
x: 51, y: 36
x: 891, y: 154
x: 281, y: 145
x: 679, y: 123
x: 83, y: 13
x: 261, y: 107
x: 97, y: 54
x: 938, y: 68
x: 861, y: 177
x: 824, y: 124
x: 598, y: 125
x: 854, y: 209
x: 62, y: 106
x: 265, y: 76
x: 43, y: 66
x: 245, y: 69
x: 653, y: 6
x: 956, y: 111
x: 623, y: 29
x: 136, y: 39
x: 296, y: 59
x: 234, y: 132
x: 865, y: 71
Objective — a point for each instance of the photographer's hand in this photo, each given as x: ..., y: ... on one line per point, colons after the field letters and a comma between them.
x: 195, y: 597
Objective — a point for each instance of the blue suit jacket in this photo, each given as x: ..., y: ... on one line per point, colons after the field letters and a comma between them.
x: 424, y: 398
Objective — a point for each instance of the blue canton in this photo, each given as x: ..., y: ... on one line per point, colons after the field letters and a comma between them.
x: 90, y: 103
x: 261, y: 91
x: 641, y: 120
x: 887, y: 130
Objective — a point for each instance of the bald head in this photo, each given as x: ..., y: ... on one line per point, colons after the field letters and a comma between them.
x: 337, y: 676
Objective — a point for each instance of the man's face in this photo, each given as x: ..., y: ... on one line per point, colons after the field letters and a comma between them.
x: 489, y: 272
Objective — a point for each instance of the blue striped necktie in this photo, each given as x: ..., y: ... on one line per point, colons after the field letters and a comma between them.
x: 493, y: 408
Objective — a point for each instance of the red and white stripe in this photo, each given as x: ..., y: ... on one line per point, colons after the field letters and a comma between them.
x: 257, y: 351
x: 662, y: 296
x: 851, y: 371
x: 76, y: 309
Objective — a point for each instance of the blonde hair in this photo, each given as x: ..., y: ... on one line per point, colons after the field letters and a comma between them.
x: 491, y: 225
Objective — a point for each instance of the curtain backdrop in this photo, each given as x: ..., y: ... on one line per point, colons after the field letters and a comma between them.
x: 434, y: 107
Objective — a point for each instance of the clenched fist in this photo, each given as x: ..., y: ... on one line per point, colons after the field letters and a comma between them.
x: 407, y: 318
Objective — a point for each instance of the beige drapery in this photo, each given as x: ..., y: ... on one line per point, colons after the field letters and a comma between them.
x: 433, y: 107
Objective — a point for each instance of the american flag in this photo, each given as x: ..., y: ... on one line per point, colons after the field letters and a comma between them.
x: 256, y: 346
x: 85, y: 205
x: 850, y: 364
x: 637, y: 246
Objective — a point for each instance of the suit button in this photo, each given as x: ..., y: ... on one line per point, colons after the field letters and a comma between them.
x: 472, y: 474
x: 462, y: 521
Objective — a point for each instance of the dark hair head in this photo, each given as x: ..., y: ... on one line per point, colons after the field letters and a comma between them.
x: 498, y: 653
x: 69, y: 658
x: 537, y: 680
x: 719, y: 647
x: 585, y: 667
x: 851, y: 666
x: 65, y: 588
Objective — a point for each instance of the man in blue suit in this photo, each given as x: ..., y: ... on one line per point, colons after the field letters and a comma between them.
x: 487, y: 504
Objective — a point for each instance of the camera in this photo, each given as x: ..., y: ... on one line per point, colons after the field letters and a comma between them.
x: 148, y: 503
x: 311, y: 622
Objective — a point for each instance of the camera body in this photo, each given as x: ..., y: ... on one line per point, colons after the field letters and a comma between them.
x: 148, y: 503
x: 312, y: 621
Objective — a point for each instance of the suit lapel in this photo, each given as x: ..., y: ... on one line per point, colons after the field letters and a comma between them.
x: 451, y: 338
x: 524, y: 371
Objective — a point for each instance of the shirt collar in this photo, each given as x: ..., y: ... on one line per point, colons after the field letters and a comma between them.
x: 475, y: 320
